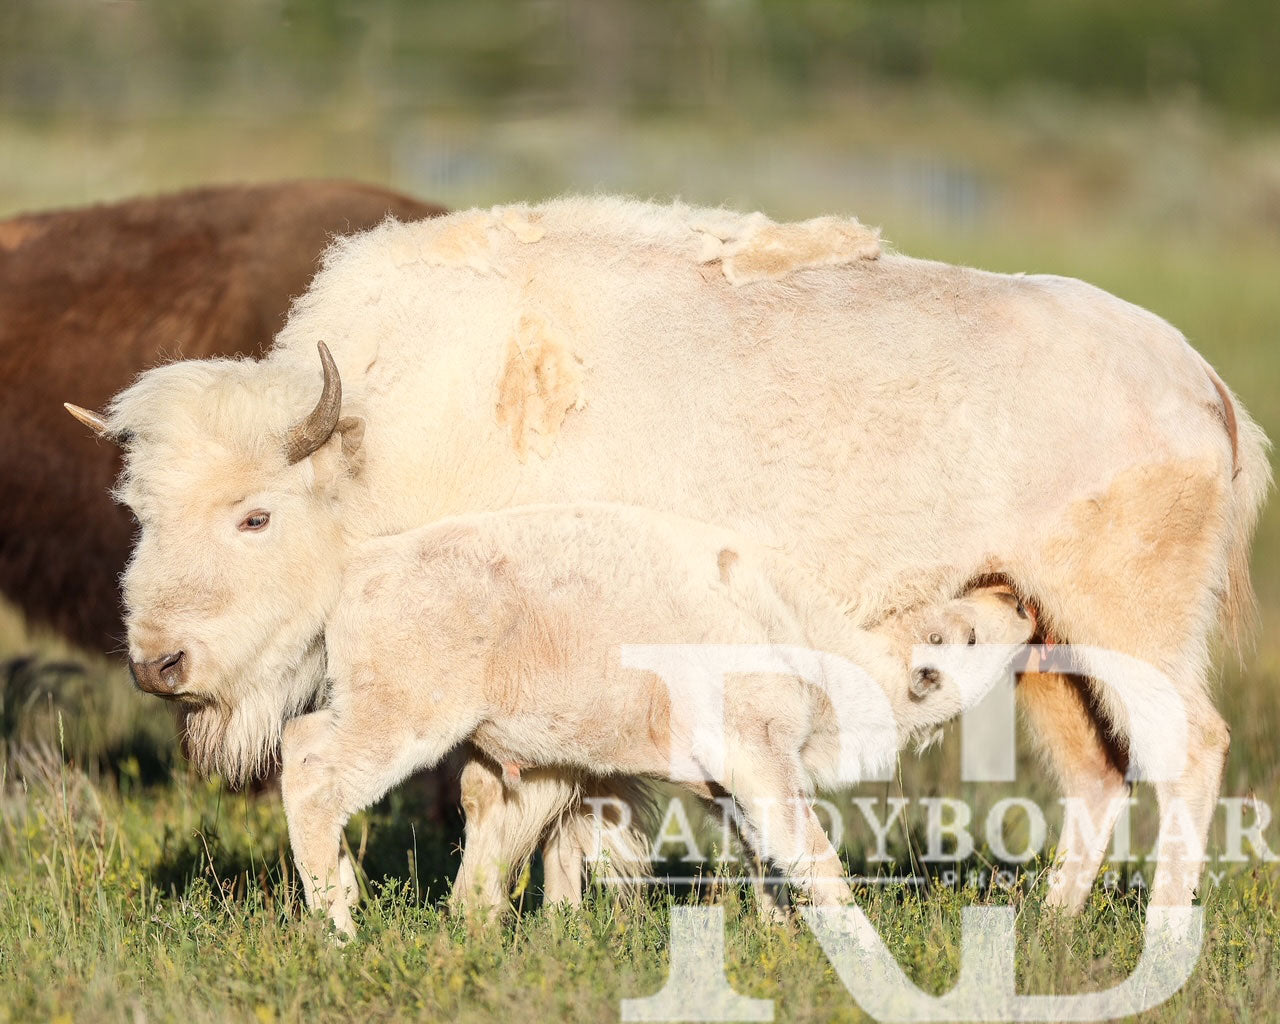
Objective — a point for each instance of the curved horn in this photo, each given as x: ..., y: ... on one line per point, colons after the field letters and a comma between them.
x: 305, y: 437
x: 95, y: 421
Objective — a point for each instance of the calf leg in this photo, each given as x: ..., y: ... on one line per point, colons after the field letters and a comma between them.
x: 503, y: 829
x: 562, y: 868
x: 1090, y: 774
x: 314, y: 817
x: 771, y: 901
x: 336, y: 763
x: 768, y: 787
x: 771, y: 897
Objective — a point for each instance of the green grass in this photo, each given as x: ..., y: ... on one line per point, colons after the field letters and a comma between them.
x: 176, y: 903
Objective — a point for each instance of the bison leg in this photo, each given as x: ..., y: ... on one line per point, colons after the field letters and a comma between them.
x: 1090, y: 774
x: 574, y: 818
x: 1188, y: 797
x: 1186, y: 810
x: 483, y: 878
x: 1136, y: 572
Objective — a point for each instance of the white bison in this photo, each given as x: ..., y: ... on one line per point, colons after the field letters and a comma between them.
x: 508, y: 629
x: 899, y: 428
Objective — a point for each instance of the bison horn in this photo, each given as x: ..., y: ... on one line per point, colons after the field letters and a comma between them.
x: 305, y: 437
x: 95, y: 421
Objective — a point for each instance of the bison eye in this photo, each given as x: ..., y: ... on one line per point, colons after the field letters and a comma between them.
x: 254, y: 521
x: 973, y: 637
x: 935, y: 638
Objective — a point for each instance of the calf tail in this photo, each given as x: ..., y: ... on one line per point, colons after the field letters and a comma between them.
x: 1251, y: 480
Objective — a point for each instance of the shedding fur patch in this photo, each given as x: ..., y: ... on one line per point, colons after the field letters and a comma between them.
x: 754, y: 248
x: 541, y: 382
x: 524, y: 225
x: 471, y: 239
x: 724, y: 562
x: 462, y: 241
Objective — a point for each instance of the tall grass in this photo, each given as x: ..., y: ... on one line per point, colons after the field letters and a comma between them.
x: 96, y: 925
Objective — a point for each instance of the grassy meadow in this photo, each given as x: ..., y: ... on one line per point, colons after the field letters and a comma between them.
x: 130, y: 890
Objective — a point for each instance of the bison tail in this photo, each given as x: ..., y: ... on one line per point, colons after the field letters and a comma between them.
x: 1251, y: 480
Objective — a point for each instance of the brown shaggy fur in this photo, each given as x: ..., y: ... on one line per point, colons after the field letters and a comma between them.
x: 91, y: 297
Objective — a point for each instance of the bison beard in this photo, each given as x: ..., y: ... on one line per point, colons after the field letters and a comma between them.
x: 241, y: 741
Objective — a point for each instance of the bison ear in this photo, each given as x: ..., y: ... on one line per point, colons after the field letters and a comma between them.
x: 341, y: 455
x: 95, y: 421
x: 351, y: 430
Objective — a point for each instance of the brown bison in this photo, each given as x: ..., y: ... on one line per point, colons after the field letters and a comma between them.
x: 89, y: 298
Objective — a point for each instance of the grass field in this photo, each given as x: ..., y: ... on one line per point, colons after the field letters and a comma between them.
x: 131, y: 891
x: 175, y: 903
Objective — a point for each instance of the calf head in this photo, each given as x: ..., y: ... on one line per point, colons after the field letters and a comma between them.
x: 980, y: 631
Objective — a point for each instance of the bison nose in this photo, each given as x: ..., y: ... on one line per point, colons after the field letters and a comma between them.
x: 923, y: 682
x: 163, y: 676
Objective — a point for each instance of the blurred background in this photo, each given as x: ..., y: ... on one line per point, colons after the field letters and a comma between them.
x: 1133, y: 144
x: 949, y: 115
x: 1049, y: 117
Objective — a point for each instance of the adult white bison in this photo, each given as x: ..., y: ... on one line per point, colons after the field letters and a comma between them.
x: 900, y: 428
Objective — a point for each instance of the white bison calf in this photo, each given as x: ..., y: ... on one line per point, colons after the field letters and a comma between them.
x: 508, y: 629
